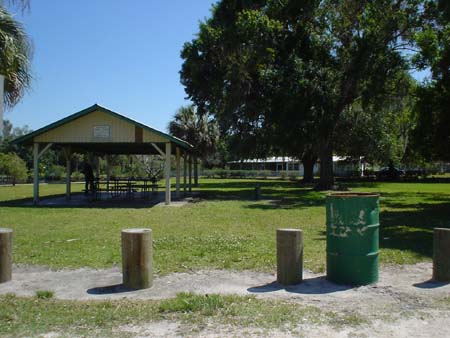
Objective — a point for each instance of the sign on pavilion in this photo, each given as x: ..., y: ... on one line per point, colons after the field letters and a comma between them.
x: 102, y: 131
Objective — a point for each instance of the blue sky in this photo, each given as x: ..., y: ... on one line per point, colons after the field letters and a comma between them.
x: 123, y: 55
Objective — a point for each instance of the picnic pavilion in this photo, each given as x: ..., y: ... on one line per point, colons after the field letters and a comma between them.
x: 104, y: 132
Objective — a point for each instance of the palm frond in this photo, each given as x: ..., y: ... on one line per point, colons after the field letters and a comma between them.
x: 198, y: 129
x: 23, y: 5
x: 15, y: 54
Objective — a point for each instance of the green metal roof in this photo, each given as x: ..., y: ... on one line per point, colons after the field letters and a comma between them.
x: 28, y: 138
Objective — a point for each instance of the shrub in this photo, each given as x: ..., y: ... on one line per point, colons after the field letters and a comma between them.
x: 77, y: 176
x: 55, y: 172
x: 13, y: 165
x: 293, y: 177
x: 227, y: 173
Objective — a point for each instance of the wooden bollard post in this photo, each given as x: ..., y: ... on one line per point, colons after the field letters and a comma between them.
x: 137, y: 270
x: 5, y: 255
x: 289, y: 256
x: 441, y: 254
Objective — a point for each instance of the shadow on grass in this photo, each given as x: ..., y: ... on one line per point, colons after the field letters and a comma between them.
x: 407, y: 220
x: 78, y: 200
x: 316, y: 285
x: 409, y: 226
x: 274, y: 194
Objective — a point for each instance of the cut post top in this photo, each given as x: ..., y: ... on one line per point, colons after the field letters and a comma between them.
x: 5, y: 230
x: 137, y: 230
x: 290, y: 230
x: 442, y: 229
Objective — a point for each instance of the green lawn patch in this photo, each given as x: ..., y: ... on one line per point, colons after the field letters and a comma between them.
x: 226, y: 229
x: 24, y: 317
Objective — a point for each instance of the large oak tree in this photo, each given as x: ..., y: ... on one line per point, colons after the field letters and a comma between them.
x: 287, y: 71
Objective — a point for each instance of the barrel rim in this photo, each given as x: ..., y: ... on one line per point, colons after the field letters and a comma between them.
x: 352, y: 194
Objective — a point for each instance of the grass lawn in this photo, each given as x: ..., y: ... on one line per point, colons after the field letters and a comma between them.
x: 225, y: 229
x: 25, y: 317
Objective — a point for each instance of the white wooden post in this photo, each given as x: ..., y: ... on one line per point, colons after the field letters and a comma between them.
x: 190, y: 173
x: 167, y: 172
x: 178, y: 172
x: 195, y: 171
x: 36, y: 173
x: 67, y: 152
x: 108, y: 168
x: 185, y: 171
x: 97, y: 167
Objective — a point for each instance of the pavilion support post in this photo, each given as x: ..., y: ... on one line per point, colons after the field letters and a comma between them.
x: 36, y: 173
x: 108, y: 168
x: 97, y: 166
x: 36, y: 156
x: 167, y: 172
x: 195, y: 170
x: 2, y: 85
x: 178, y: 172
x: 190, y: 173
x: 67, y: 153
x: 184, y: 172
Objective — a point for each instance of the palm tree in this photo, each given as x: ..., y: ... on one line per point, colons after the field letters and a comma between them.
x: 200, y: 130
x: 15, y: 55
x: 22, y: 4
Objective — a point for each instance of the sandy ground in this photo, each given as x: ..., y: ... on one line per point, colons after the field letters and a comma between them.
x: 404, y: 296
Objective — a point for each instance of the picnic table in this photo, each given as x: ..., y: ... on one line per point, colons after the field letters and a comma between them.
x: 126, y: 188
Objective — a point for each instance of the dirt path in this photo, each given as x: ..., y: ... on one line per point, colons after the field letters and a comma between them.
x: 404, y: 297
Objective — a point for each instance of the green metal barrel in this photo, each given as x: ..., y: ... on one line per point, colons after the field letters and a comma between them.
x: 352, y: 238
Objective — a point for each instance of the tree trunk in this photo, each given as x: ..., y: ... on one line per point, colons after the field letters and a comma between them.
x: 326, y: 181
x: 308, y: 161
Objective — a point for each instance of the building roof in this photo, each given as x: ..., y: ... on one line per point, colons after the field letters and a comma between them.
x: 285, y: 159
x: 29, y: 138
